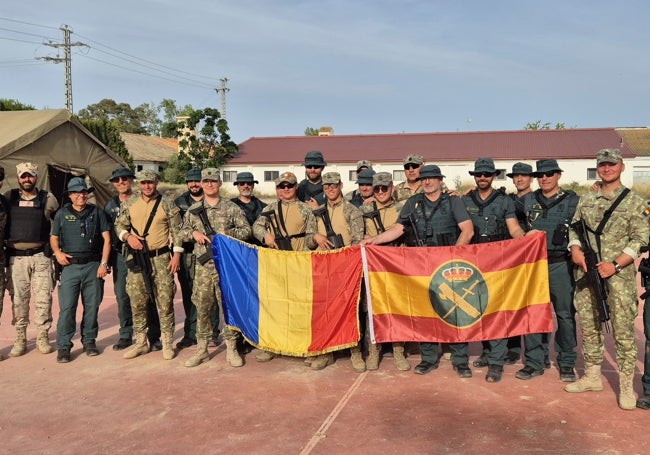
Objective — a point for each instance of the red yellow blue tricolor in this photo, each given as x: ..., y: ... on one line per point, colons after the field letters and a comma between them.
x: 295, y: 303
x: 513, y: 273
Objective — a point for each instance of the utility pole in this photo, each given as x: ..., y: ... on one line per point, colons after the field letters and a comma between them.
x: 223, y: 91
x: 67, y: 59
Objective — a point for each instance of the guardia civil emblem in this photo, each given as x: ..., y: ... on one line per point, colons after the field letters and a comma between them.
x: 458, y: 293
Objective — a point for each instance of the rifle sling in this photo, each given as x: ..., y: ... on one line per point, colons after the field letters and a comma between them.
x: 548, y: 207
x: 150, y: 220
x: 607, y: 215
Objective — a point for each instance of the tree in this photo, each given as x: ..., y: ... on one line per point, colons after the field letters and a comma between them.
x: 204, y: 141
x: 538, y: 125
x: 14, y: 105
x: 122, y: 115
x: 309, y: 131
x: 108, y: 134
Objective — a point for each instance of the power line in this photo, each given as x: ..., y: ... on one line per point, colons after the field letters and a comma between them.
x: 27, y: 23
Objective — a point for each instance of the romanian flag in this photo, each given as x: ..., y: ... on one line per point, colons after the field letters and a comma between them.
x: 297, y: 303
x: 459, y: 293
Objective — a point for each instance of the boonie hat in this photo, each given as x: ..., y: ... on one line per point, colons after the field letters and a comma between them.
x: 520, y: 169
x: 210, y: 173
x: 331, y: 177
x: 245, y: 177
x: 193, y: 175
x: 77, y: 185
x: 609, y: 156
x: 314, y: 158
x: 147, y: 175
x: 121, y: 172
x: 413, y: 159
x: 365, y: 177
x: 430, y: 171
x: 543, y: 166
x: 364, y: 163
x: 27, y: 168
x: 382, y: 178
x: 288, y: 177
x: 484, y: 165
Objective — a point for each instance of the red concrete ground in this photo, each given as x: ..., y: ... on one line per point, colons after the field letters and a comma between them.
x: 106, y: 404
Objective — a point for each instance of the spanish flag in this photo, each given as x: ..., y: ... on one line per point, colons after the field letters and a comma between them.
x: 297, y: 303
x: 459, y: 293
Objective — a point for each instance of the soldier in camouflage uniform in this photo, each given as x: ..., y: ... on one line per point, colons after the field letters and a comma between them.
x: 550, y: 209
x: 3, y: 223
x: 381, y: 214
x: 297, y: 225
x: 346, y: 221
x: 622, y: 236
x: 202, y: 220
x: 412, y: 165
x: 355, y: 196
x: 130, y: 227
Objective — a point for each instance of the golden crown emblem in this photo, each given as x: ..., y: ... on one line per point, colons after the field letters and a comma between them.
x: 457, y: 273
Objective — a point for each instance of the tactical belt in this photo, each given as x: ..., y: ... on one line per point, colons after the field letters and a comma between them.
x: 85, y: 260
x: 28, y: 252
x: 555, y: 258
x: 159, y: 252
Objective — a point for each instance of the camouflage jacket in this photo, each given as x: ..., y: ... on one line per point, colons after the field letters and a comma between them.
x: 306, y: 224
x: 401, y: 192
x: 352, y: 218
x: 388, y: 215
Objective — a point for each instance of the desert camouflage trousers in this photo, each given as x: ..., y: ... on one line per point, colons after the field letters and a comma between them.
x: 164, y: 290
x: 31, y: 276
x: 205, y: 295
x: 623, y: 306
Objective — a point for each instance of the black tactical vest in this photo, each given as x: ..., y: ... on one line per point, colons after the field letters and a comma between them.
x: 28, y: 224
x: 434, y: 221
x: 488, y: 217
x: 554, y: 220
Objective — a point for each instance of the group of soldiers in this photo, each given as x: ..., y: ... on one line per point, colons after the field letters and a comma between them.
x: 144, y: 238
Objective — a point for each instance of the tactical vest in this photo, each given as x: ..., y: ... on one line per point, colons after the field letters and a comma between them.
x: 28, y: 224
x: 434, y: 222
x: 307, y: 190
x: 112, y: 209
x: 252, y: 210
x: 356, y: 199
x: 183, y: 202
x: 554, y: 221
x: 520, y: 211
x: 80, y: 232
x: 487, y: 216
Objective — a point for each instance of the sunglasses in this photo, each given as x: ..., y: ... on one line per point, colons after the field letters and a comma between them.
x: 330, y: 185
x: 120, y: 179
x: 381, y: 189
x: 483, y: 174
x: 411, y: 166
x: 539, y: 175
x: 311, y: 166
x: 285, y: 186
x: 244, y: 184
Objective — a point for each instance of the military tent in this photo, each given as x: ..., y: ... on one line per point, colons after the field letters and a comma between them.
x: 60, y: 146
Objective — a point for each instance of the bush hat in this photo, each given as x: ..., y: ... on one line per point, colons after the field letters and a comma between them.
x: 78, y: 185
x: 430, y: 171
x: 549, y: 165
x: 121, y: 172
x: 520, y: 169
x: 314, y: 158
x: 365, y: 177
x: 245, y: 177
x: 484, y: 165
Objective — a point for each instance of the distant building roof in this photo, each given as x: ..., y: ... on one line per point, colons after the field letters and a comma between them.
x: 461, y: 146
x: 638, y: 139
x: 150, y: 148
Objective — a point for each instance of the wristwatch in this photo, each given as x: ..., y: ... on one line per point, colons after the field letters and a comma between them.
x: 105, y: 264
x: 617, y: 267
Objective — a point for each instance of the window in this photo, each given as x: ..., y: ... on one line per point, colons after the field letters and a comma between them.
x: 398, y: 176
x: 502, y: 174
x: 592, y: 174
x: 138, y: 168
x: 352, y: 176
x: 270, y: 176
x: 229, y: 176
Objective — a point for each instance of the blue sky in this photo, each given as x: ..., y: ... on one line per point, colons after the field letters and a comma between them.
x: 362, y: 67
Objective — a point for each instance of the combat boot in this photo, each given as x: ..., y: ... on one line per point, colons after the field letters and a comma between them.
x: 138, y: 348
x: 168, y: 347
x: 321, y: 361
x: 357, y: 360
x: 200, y: 355
x: 20, y: 346
x: 43, y: 342
x: 372, y: 361
x: 232, y: 355
x: 398, y: 357
x: 590, y: 382
x: 627, y: 397
x: 265, y: 356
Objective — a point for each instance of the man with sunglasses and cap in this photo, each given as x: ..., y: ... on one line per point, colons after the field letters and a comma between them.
x: 30, y: 264
x: 251, y: 205
x: 81, y: 242
x: 439, y: 219
x: 617, y: 227
x: 494, y: 219
x: 122, y: 180
x: 412, y: 185
x: 151, y: 218
x: 364, y: 190
x: 550, y: 209
x: 310, y: 190
x: 287, y: 219
x: 202, y: 221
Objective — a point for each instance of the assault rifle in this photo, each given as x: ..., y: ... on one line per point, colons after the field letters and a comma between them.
x: 141, y: 263
x: 209, y: 232
x: 412, y: 236
x: 283, y: 242
x: 592, y: 278
x: 334, y: 238
x: 375, y: 216
x: 644, y: 270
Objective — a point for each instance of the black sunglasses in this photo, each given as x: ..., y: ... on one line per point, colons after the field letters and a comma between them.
x: 311, y: 166
x: 285, y: 186
x: 411, y: 166
x: 539, y: 175
x: 483, y: 174
x: 380, y: 189
x: 244, y: 183
x: 120, y: 179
